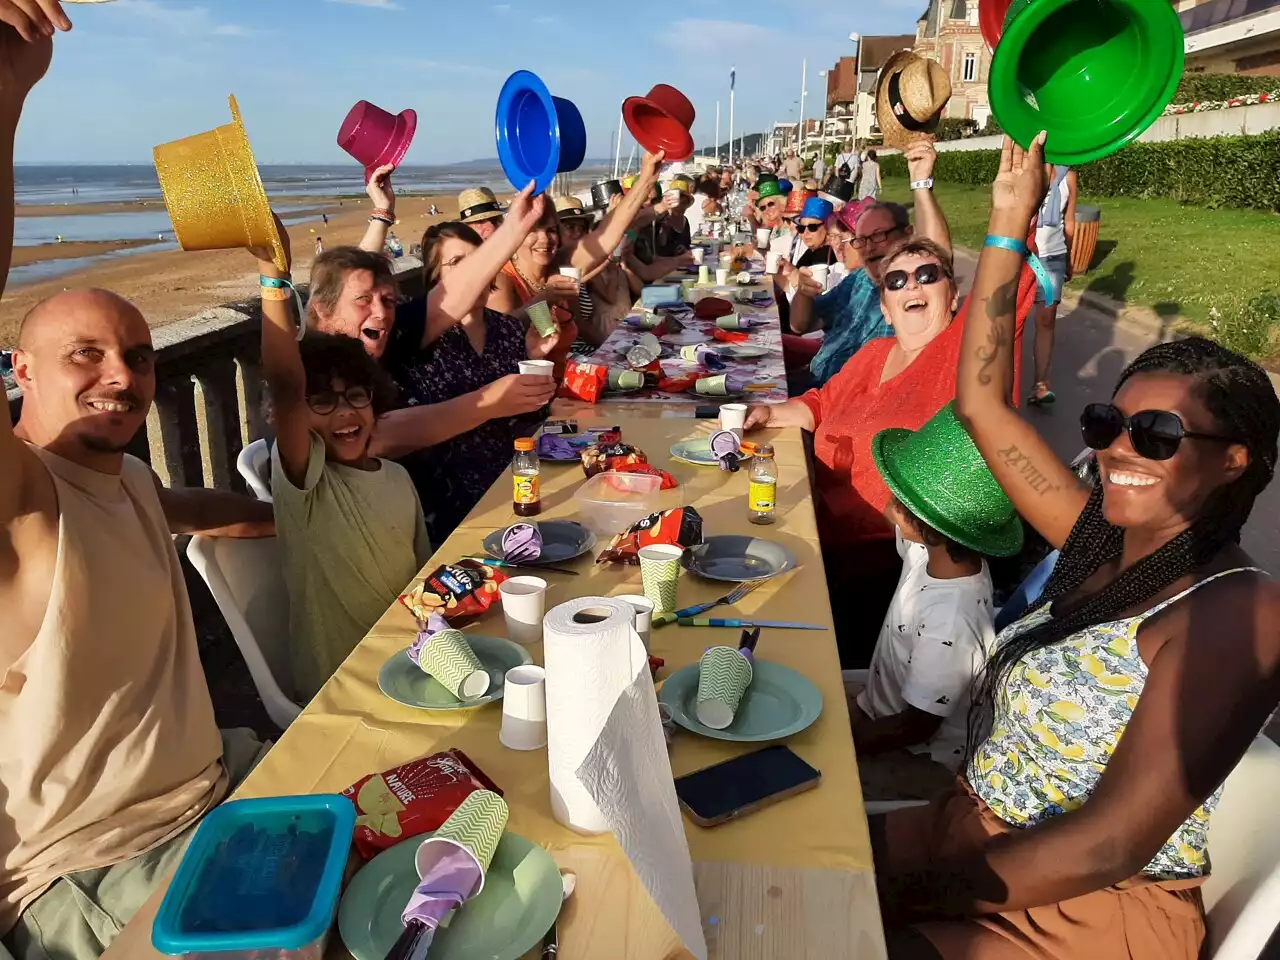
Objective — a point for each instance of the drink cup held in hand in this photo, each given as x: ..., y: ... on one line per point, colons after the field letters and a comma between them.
x: 524, y: 708
x: 819, y: 271
x: 540, y: 316
x: 722, y: 277
x: 726, y: 259
x: 723, y: 677
x: 537, y: 368
x: 772, y: 262
x: 660, y: 571
x: 573, y: 273
x: 448, y: 657
x: 762, y: 239
x: 643, y: 607
x: 698, y: 253
x: 733, y: 416
x: 524, y: 601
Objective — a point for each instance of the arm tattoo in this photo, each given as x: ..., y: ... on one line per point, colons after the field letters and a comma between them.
x: 1037, y: 481
x: 1000, y: 304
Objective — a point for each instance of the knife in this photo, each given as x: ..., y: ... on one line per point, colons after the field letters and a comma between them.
x: 738, y: 624
x: 490, y: 561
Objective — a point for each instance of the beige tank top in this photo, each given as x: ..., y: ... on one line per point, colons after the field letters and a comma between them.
x: 109, y: 745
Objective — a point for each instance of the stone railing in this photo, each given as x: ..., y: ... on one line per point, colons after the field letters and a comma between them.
x: 208, y: 404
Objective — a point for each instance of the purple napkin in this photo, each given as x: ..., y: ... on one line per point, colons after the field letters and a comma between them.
x: 726, y: 448
x: 709, y: 358
x: 449, y: 883
x: 553, y: 446
x: 436, y: 623
x: 521, y: 543
x: 735, y: 384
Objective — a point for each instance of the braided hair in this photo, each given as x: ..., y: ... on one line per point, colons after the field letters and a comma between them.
x: 1239, y: 396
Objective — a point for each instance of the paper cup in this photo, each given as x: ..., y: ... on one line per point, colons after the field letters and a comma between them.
x: 722, y: 277
x: 730, y: 321
x: 524, y: 601
x: 573, y: 273
x: 538, y: 368
x: 643, y: 607
x: 540, y: 317
x: 704, y: 274
x: 772, y: 262
x: 726, y: 259
x: 819, y: 272
x: 733, y: 416
x: 723, y: 677
x: 660, y: 571
x: 524, y: 709
x: 625, y: 379
x: 713, y: 386
x: 762, y: 238
x: 476, y: 827
x: 449, y: 658
x: 698, y: 253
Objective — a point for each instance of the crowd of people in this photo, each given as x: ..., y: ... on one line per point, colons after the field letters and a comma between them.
x: 1046, y: 834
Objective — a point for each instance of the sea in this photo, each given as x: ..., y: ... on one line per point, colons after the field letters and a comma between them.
x: 63, y: 185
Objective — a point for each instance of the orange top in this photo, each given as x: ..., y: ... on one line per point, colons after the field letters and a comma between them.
x: 524, y: 444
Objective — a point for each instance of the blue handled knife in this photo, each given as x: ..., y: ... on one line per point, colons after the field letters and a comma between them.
x: 739, y: 624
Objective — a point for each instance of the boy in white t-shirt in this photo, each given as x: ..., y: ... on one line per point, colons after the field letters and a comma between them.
x: 910, y: 721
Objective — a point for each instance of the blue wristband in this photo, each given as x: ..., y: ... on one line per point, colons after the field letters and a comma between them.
x: 1006, y: 243
x: 1034, y: 262
x: 275, y: 283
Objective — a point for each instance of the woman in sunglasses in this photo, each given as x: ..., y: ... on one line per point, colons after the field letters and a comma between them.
x: 1109, y: 716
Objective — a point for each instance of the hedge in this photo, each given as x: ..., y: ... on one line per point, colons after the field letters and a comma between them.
x: 1206, y: 172
x: 1196, y: 87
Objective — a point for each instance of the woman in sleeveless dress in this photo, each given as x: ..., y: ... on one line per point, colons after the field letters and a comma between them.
x: 1109, y: 716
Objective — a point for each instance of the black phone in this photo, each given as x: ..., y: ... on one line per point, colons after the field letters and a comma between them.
x: 744, y: 784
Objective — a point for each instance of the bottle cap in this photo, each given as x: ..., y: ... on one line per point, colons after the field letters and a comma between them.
x: 764, y: 450
x: 524, y: 444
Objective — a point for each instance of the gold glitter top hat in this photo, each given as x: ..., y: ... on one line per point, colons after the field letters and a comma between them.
x: 214, y: 193
x: 938, y: 474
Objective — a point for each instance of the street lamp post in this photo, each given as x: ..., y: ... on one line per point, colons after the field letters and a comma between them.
x: 857, y: 83
x: 804, y: 82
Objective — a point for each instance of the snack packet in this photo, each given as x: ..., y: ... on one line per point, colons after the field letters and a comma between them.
x: 668, y: 481
x: 412, y: 799
x: 459, y: 591
x: 584, y: 381
x: 610, y: 453
x: 680, y: 526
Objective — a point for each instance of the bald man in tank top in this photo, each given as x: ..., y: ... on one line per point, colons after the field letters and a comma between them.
x: 110, y: 750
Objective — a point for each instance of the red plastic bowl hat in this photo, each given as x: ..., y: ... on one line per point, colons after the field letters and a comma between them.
x: 991, y: 14
x: 661, y: 121
x: 377, y: 138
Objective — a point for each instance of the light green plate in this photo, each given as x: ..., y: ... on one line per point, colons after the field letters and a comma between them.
x: 404, y: 681
x: 695, y: 451
x: 519, y: 903
x: 779, y: 703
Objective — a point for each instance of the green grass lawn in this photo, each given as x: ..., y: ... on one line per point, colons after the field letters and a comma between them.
x: 1181, y: 261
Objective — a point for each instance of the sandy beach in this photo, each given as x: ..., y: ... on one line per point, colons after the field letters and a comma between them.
x: 169, y: 285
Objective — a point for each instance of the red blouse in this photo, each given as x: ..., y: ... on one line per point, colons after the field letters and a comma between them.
x: 853, y: 406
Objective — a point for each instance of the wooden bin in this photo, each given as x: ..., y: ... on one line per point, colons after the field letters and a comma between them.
x: 1085, y: 239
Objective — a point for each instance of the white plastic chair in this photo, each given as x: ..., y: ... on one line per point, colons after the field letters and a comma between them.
x: 254, y: 464
x: 1242, y: 892
x: 245, y: 579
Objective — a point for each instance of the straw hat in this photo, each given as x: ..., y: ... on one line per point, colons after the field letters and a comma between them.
x: 214, y: 193
x: 910, y: 95
x: 478, y: 203
x: 570, y: 208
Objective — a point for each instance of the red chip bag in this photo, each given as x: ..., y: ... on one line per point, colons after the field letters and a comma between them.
x: 681, y: 526
x: 411, y: 799
x: 459, y: 591
x: 610, y: 454
x: 584, y: 381
x: 668, y: 481
x: 684, y: 381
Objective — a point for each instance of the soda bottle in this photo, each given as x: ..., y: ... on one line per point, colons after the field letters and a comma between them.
x: 762, y: 489
x: 527, y: 493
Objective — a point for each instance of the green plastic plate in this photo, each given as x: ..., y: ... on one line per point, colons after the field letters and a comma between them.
x: 779, y: 703
x: 404, y: 681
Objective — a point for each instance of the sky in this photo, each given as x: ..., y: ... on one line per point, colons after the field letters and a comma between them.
x: 135, y: 73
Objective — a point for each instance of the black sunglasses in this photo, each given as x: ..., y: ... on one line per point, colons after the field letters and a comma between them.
x: 880, y: 236
x: 1155, y: 434
x: 809, y: 227
x: 768, y: 204
x: 925, y: 274
x: 326, y: 401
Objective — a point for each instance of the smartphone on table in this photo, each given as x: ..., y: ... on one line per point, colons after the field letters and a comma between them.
x: 744, y: 784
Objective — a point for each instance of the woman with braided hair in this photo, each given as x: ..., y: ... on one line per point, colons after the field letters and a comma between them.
x: 1109, y: 716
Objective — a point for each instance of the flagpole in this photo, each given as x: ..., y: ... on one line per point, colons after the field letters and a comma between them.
x: 733, y: 77
x: 804, y: 82
x: 617, y: 150
x: 717, y: 133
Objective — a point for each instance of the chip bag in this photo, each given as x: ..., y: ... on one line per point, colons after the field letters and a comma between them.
x: 610, y: 453
x: 412, y: 799
x: 459, y: 591
x: 584, y: 381
x: 680, y: 526
x: 668, y: 481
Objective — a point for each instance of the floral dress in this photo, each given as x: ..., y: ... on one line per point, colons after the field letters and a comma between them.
x: 1057, y: 721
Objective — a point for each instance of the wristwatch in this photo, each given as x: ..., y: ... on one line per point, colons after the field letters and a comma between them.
x: 925, y: 184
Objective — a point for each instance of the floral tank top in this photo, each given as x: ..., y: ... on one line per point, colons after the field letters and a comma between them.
x: 1057, y: 721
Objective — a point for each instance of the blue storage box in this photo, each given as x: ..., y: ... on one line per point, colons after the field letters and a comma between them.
x: 260, y: 875
x: 660, y: 294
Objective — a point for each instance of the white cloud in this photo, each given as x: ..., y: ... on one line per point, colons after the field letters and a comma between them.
x: 376, y: 4
x: 544, y: 20
x: 186, y: 21
x: 502, y: 8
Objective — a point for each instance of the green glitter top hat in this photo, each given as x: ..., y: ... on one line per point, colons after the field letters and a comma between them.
x: 770, y: 188
x: 938, y: 474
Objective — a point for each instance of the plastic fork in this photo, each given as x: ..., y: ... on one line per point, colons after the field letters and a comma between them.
x: 730, y: 598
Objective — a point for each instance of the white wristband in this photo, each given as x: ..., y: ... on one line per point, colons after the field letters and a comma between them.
x: 926, y: 184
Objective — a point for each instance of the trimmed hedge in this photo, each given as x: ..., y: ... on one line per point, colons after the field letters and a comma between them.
x: 1206, y: 172
x: 1196, y: 87
x: 956, y: 128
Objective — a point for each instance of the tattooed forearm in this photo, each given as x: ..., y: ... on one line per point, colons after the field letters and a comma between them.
x: 1000, y: 307
x: 1029, y: 472
x: 989, y: 352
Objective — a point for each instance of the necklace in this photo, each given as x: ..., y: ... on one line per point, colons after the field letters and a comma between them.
x: 535, y: 285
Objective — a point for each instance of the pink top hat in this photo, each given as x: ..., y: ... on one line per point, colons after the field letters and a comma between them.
x: 375, y: 137
x: 661, y: 121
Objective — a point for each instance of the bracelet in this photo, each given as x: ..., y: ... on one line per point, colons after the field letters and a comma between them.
x: 925, y: 184
x: 275, y: 283
x: 1006, y: 243
x: 380, y: 212
x: 276, y: 293
x: 1034, y: 262
x: 380, y: 219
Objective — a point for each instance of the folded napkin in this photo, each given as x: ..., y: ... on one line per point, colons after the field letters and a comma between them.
x: 730, y: 336
x: 521, y: 543
x: 554, y: 446
x: 452, y: 863
x: 704, y: 355
x: 727, y: 449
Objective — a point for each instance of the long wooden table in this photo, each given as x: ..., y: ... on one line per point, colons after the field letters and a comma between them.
x: 792, y: 880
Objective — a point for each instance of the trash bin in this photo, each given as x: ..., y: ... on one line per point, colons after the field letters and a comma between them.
x: 1085, y: 240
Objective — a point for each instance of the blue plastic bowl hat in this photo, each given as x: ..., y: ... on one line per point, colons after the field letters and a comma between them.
x: 815, y: 208
x: 538, y: 135
x: 785, y: 185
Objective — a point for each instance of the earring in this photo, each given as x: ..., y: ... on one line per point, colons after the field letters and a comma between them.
x: 515, y: 257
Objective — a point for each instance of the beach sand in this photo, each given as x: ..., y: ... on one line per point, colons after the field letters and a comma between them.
x: 168, y: 285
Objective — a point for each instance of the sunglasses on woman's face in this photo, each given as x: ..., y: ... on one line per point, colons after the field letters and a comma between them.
x: 325, y: 402
x: 809, y: 227
x: 925, y: 274
x: 768, y: 205
x: 1155, y: 434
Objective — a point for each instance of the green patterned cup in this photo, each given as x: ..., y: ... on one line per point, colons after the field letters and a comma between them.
x: 717, y: 386
x: 449, y: 658
x: 723, y: 677
x: 476, y: 826
x: 540, y: 316
x: 625, y: 379
x: 729, y: 322
x: 660, y: 571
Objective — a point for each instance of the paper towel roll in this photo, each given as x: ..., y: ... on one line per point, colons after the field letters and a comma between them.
x: 589, y: 659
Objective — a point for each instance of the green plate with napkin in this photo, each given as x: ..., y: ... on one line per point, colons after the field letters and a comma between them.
x: 778, y: 704
x: 695, y: 451
x: 405, y: 682
x: 518, y: 905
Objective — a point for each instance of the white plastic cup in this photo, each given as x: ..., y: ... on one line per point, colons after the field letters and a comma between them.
x: 762, y: 238
x: 819, y: 272
x: 772, y: 262
x: 704, y: 274
x: 698, y: 253
x: 733, y: 416
x: 722, y: 277
x: 537, y: 368
x: 524, y: 601
x: 573, y: 273
x: 524, y: 708
x: 726, y: 259
x: 643, y: 607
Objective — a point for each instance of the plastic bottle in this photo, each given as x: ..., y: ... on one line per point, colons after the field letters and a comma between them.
x: 526, y: 486
x: 762, y: 490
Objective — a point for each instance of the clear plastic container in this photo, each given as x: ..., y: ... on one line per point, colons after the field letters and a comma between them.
x: 610, y: 502
x: 260, y: 880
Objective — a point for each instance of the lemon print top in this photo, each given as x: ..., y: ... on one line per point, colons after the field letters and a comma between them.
x: 1058, y: 719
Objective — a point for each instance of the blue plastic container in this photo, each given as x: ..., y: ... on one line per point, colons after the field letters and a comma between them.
x: 661, y: 294
x: 538, y: 135
x: 260, y: 875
